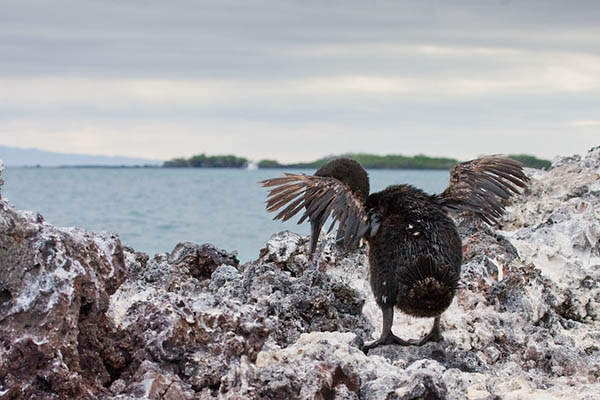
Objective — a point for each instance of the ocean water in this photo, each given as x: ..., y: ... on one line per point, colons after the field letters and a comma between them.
x: 154, y: 209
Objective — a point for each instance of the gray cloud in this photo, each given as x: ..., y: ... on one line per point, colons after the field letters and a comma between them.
x: 272, y: 78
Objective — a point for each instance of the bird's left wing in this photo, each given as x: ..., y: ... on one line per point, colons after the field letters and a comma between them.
x: 481, y: 185
x: 320, y: 197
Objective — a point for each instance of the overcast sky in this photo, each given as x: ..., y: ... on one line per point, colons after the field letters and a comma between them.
x: 296, y: 80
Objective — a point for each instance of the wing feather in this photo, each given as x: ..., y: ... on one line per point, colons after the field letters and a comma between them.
x: 291, y: 209
x: 320, y: 197
x: 481, y: 185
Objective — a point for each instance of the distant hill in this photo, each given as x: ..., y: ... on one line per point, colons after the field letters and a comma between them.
x: 19, y: 157
x: 531, y: 161
x: 397, y: 161
x: 392, y: 161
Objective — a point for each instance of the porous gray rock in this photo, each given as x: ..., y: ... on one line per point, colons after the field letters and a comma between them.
x: 84, y: 317
x: 203, y: 331
x: 55, y: 287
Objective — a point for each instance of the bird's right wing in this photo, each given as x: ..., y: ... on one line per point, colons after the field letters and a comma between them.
x: 320, y: 197
x: 481, y: 185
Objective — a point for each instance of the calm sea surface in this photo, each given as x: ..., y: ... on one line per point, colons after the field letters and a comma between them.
x: 154, y: 209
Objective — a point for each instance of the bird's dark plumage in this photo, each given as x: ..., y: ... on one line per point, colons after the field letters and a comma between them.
x: 415, y: 252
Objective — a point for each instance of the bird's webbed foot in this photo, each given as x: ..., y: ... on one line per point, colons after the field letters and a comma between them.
x: 430, y: 337
x: 435, y: 335
x: 383, y: 340
x: 387, y: 336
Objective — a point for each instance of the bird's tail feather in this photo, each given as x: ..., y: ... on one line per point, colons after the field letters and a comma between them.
x: 426, y: 269
x: 430, y: 287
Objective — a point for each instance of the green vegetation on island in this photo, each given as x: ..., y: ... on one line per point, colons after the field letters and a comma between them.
x: 204, y: 161
x: 396, y: 161
x: 369, y: 161
x: 392, y: 161
x: 531, y: 161
x: 269, y: 164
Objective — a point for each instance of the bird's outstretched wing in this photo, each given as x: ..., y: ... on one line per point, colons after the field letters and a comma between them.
x: 320, y: 197
x: 481, y: 185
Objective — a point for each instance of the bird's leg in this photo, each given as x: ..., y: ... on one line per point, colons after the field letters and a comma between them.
x: 435, y: 335
x: 387, y: 337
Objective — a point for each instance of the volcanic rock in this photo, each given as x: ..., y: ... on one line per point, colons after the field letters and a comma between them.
x: 55, y: 288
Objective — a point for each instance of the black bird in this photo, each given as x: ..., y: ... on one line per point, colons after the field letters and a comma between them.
x: 415, y: 252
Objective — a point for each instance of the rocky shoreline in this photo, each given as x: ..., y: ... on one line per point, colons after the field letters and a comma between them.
x: 82, y: 316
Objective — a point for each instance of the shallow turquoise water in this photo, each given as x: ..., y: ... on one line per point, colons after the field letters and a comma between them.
x: 154, y: 209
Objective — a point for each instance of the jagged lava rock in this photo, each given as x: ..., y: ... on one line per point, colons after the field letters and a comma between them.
x: 203, y: 331
x: 55, y: 285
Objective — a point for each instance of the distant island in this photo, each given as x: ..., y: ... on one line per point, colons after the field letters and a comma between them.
x: 369, y: 161
x: 204, y: 161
